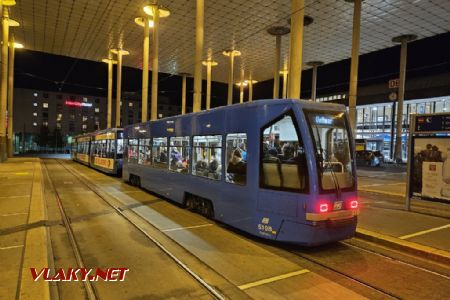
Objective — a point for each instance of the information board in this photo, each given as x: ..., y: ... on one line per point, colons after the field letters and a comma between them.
x: 430, y: 123
x: 429, y: 158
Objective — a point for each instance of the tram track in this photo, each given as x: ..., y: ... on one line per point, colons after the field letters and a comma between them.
x: 89, y: 288
x: 369, y: 285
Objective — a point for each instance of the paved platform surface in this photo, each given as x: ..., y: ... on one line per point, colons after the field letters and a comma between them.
x: 241, y: 263
x: 23, y: 239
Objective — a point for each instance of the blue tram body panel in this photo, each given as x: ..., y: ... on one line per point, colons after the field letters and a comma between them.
x: 272, y: 213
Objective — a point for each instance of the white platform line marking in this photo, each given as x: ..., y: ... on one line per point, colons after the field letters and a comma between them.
x: 11, y: 247
x: 187, y: 227
x: 4, y: 197
x: 13, y: 214
x: 404, y: 237
x: 272, y: 279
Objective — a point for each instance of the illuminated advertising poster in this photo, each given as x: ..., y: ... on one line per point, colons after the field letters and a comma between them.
x: 107, y: 163
x: 431, y: 168
x: 83, y: 157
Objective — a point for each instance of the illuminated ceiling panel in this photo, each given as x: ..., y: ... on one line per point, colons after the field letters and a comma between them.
x: 87, y: 29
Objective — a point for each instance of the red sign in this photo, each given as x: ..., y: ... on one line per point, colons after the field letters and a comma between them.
x: 78, y: 104
x: 394, y: 83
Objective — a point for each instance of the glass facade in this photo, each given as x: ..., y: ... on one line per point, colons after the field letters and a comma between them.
x: 374, y: 122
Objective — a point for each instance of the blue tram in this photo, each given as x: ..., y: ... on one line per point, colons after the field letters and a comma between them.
x: 102, y: 150
x: 279, y: 169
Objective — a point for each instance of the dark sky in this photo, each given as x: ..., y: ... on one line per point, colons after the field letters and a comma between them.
x: 41, y: 71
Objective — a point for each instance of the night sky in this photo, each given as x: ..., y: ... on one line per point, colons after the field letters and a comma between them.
x: 41, y: 71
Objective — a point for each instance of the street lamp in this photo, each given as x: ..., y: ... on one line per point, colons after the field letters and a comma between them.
x: 119, y: 52
x: 231, y: 54
x: 209, y: 64
x: 110, y: 63
x: 155, y: 11
x: 145, y: 22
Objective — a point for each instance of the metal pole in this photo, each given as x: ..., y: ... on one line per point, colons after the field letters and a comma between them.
x: 296, y: 48
x: 4, y: 84
x: 231, y: 54
x: 230, y: 79
x: 250, y: 88
x: 412, y: 126
x: 354, y: 63
x: 285, y: 80
x: 155, y: 67
x: 183, y: 95
x: 145, y: 63
x: 199, y: 20
x: 10, y: 96
x: 110, y: 63
x: 119, y: 87
x: 241, y: 87
x: 314, y: 65
x: 208, y: 85
x: 276, y: 72
x: 403, y: 39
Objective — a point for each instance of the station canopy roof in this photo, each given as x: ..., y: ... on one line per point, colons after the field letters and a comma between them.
x: 87, y: 29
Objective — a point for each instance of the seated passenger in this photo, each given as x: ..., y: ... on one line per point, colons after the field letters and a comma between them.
x: 163, y: 156
x: 270, y: 154
x: 236, y: 164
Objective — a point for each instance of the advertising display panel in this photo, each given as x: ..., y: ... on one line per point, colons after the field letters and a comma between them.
x: 429, y: 158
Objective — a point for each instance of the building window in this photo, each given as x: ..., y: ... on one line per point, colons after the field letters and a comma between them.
x: 160, y: 115
x: 35, y: 114
x: 35, y: 94
x: 59, y: 117
x: 84, y: 126
x: 130, y: 104
x: 45, y: 95
x: 85, y: 118
x: 58, y: 125
x: 236, y: 158
x: 35, y: 104
x: 45, y: 123
x: 207, y: 156
x: 85, y: 99
x: 45, y: 115
x: 34, y: 124
x: 97, y: 110
x: 45, y: 105
x: 179, y: 154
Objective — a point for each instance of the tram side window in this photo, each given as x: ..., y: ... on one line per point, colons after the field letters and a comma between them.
x: 236, y: 157
x: 179, y: 154
x: 145, y: 157
x: 283, y: 159
x: 207, y: 156
x: 119, y: 148
x: 111, y: 149
x: 159, y: 152
x: 133, y: 151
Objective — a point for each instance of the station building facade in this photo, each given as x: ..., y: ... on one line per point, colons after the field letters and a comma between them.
x: 45, y: 120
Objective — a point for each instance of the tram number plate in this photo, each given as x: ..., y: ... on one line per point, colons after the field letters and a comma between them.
x: 337, y: 205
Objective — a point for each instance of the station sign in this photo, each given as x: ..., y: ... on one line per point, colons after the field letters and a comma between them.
x: 394, y: 83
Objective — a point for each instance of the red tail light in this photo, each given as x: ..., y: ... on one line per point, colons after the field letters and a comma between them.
x: 354, y: 204
x: 323, y: 207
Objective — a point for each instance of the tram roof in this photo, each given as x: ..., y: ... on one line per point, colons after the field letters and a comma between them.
x: 87, y: 29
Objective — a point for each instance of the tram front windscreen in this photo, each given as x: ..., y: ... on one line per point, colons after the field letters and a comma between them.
x: 333, y: 152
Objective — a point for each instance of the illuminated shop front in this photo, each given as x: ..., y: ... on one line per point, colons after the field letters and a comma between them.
x: 375, y: 122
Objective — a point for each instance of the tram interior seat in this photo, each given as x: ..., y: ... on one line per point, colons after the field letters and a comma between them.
x: 271, y: 174
x: 289, y: 174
